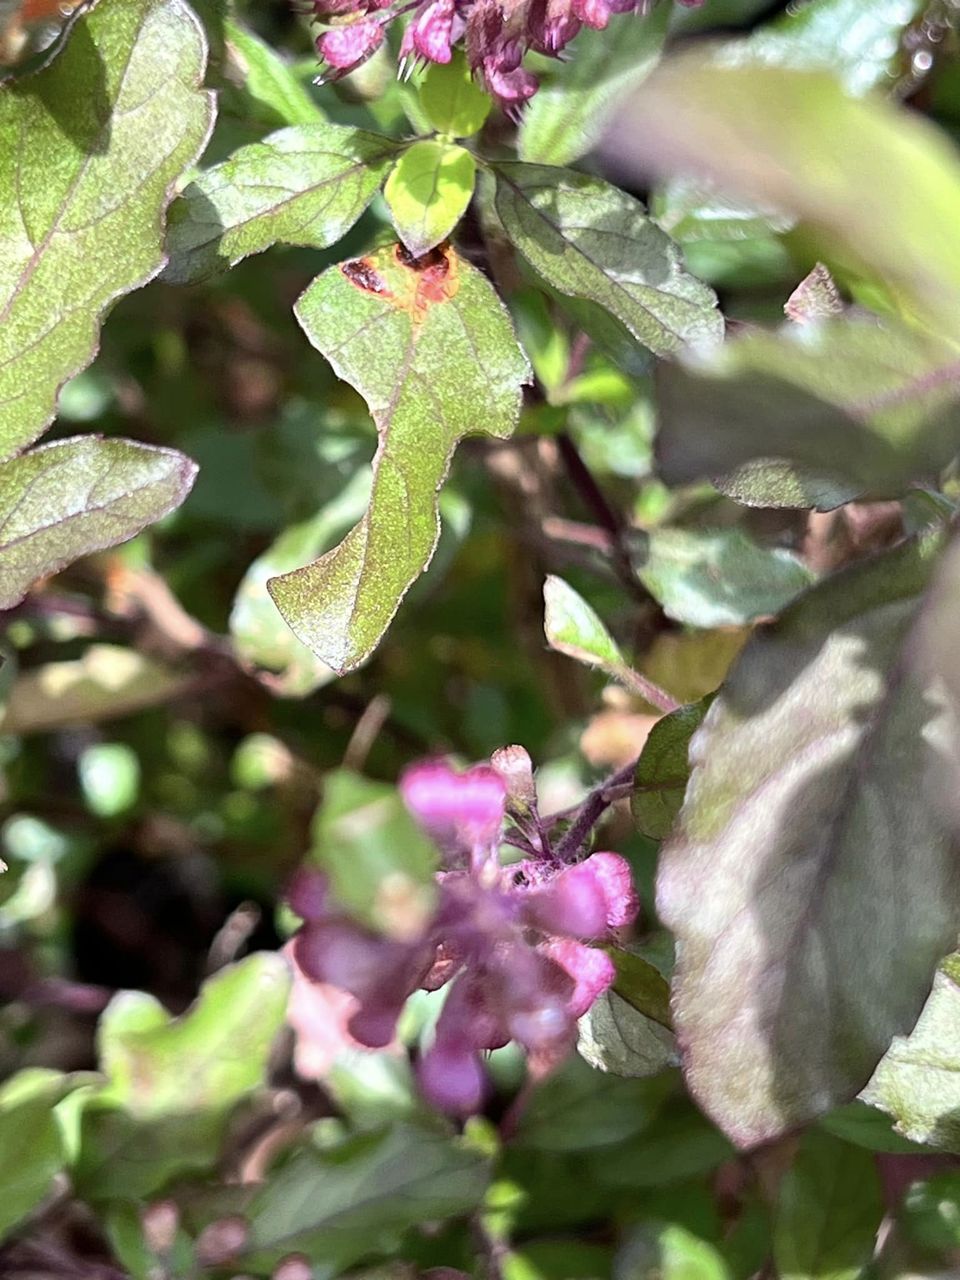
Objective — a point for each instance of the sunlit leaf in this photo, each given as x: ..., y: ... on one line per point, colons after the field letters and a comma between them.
x: 31, y: 1149
x: 270, y: 89
x: 663, y: 770
x: 90, y: 150
x: 594, y: 243
x: 428, y: 191
x: 454, y: 102
x: 430, y: 347
x: 809, y: 796
x: 64, y: 500
x: 304, y: 185
x: 670, y: 1253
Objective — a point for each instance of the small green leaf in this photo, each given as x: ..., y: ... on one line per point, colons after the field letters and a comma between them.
x: 428, y: 191
x: 64, y: 500
x: 828, y: 1212
x: 379, y: 862
x: 773, y: 134
x: 109, y: 775
x: 592, y: 242
x: 577, y: 97
x: 306, y: 185
x: 918, y: 1080
x: 851, y: 405
x: 454, y: 102
x: 670, y: 1253
x: 261, y: 636
x: 272, y: 93
x: 719, y: 577
x: 342, y: 1204
x: 808, y: 797
x: 572, y: 627
x: 81, y: 221
x: 664, y: 769
x: 430, y: 347
x: 31, y: 1155
x: 172, y: 1081
x: 614, y: 1036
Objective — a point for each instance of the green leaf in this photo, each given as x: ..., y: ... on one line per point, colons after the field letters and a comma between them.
x: 351, y: 1201
x: 261, y: 636
x: 31, y: 1155
x: 454, y: 102
x: 765, y: 482
x: 865, y: 405
x: 306, y: 185
x: 613, y: 1036
x: 679, y: 1144
x: 428, y: 191
x: 108, y: 681
x: 66, y: 499
x: 828, y: 1212
x: 571, y: 626
x: 90, y: 150
x: 272, y: 93
x: 808, y: 798
x: 578, y: 97
x: 866, y: 1127
x: 592, y: 242
x: 670, y: 1253
x: 773, y: 134
x: 719, y: 577
x: 664, y: 769
x: 380, y: 863
x: 172, y: 1081
x: 430, y: 347
x: 918, y: 1080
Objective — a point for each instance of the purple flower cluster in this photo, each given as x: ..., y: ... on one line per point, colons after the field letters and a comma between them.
x: 513, y: 942
x: 496, y: 34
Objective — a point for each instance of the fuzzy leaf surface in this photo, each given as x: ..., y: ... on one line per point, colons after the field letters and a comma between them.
x: 66, y: 499
x: 810, y: 795
x: 594, y: 243
x: 430, y: 348
x: 91, y: 148
x: 427, y: 192
x: 305, y: 185
x: 663, y: 770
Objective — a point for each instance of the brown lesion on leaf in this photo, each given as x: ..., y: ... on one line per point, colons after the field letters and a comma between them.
x: 410, y: 284
x: 361, y: 273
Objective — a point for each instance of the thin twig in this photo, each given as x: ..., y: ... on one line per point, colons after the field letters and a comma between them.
x: 593, y: 807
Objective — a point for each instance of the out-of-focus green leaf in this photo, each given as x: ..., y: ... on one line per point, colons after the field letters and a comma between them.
x: 31, y: 1155
x: 775, y: 135
x: 108, y: 681
x: 809, y: 796
x: 768, y: 483
x: 454, y: 102
x: 577, y: 97
x: 669, y: 1253
x: 430, y: 347
x: 592, y: 242
x: 719, y: 577
x: 109, y: 777
x: 572, y: 626
x: 931, y: 1212
x: 427, y: 192
x: 866, y: 1127
x: 918, y: 1080
x: 90, y: 150
x: 852, y: 405
x: 305, y: 185
x: 379, y: 861
x: 679, y: 1144
x: 274, y: 94
x: 828, y: 1212
x: 664, y: 769
x: 614, y: 1036
x: 350, y: 1201
x: 261, y: 636
x: 66, y: 499
x: 172, y: 1081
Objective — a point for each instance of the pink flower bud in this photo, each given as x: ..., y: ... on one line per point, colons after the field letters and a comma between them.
x: 447, y: 804
x: 594, y: 13
x: 614, y: 876
x: 346, y: 47
x: 573, y: 903
x: 592, y: 971
x: 430, y: 33
x: 452, y: 1079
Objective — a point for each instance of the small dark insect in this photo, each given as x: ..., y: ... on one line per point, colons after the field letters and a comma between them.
x: 363, y: 276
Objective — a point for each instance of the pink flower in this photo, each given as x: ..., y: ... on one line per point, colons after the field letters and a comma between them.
x: 346, y: 47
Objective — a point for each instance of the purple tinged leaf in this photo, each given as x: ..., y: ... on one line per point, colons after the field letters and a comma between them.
x: 809, y: 798
x: 64, y: 500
